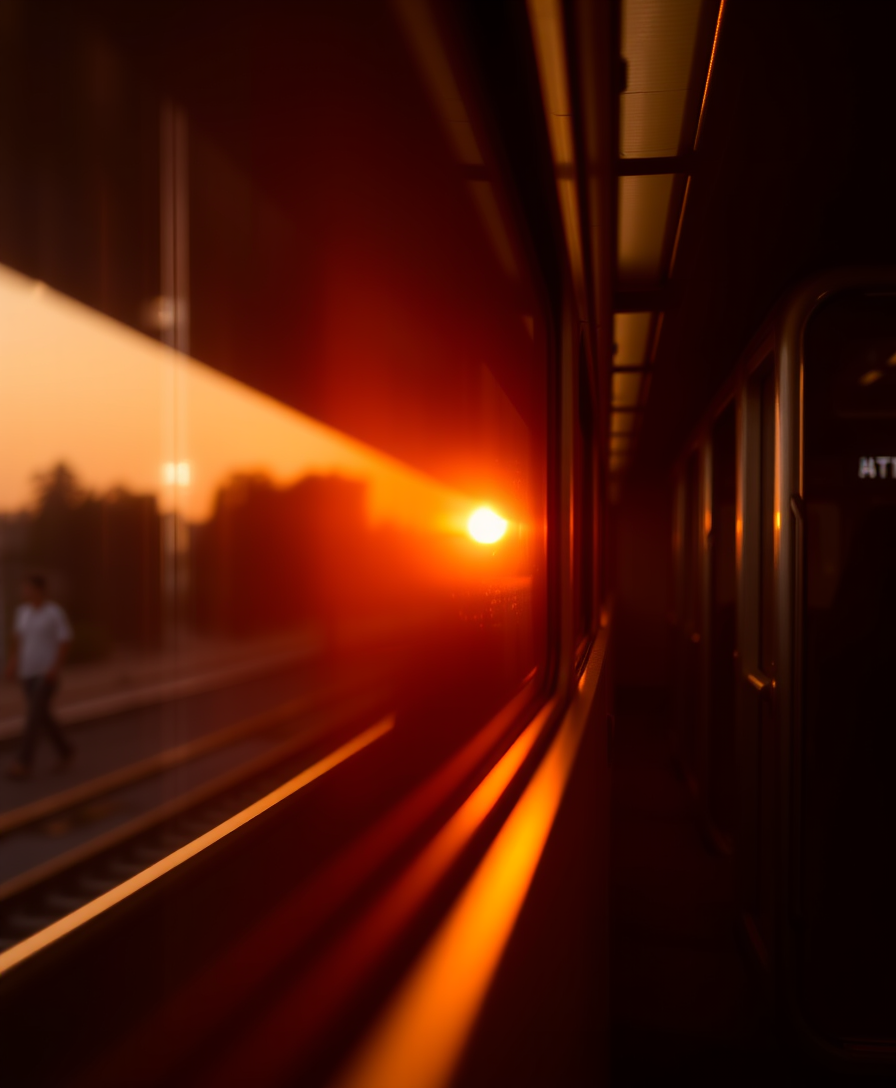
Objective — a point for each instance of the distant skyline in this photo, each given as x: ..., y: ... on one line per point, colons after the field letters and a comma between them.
x: 121, y: 409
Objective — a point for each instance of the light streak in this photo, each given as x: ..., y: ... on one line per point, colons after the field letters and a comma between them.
x: 712, y: 57
x: 52, y: 933
x: 421, y: 1037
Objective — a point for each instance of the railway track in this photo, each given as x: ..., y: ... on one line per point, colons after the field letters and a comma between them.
x: 201, y: 792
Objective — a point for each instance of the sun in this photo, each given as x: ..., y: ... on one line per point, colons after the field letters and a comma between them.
x: 485, y: 526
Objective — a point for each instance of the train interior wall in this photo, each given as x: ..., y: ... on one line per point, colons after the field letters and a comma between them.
x: 685, y: 1002
x: 690, y: 1001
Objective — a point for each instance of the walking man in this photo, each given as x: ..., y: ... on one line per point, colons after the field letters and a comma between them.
x: 41, y: 641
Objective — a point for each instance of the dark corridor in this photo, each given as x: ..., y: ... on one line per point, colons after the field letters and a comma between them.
x: 686, y: 1003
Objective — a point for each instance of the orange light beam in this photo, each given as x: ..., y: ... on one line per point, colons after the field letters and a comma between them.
x: 712, y: 57
x: 304, y: 1011
x: 52, y: 933
x: 421, y: 1036
x: 210, y: 997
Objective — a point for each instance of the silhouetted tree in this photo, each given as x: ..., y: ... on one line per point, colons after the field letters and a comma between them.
x: 271, y: 558
x: 102, y: 554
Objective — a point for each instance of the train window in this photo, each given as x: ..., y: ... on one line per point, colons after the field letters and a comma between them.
x: 723, y: 575
x: 691, y: 544
x: 271, y: 424
x: 850, y: 496
x: 757, y: 745
x: 689, y: 647
x: 767, y: 516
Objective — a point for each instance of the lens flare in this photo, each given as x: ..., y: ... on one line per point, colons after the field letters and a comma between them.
x: 485, y: 526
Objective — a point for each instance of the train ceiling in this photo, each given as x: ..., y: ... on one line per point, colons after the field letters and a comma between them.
x: 640, y: 196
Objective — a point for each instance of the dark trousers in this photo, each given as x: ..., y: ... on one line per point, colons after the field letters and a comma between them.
x: 38, y: 693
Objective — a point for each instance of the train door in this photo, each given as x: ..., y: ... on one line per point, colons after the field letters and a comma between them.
x: 721, y: 785
x: 847, y: 951
x: 756, y: 740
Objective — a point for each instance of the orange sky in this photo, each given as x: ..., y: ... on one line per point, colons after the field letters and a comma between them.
x: 116, y: 406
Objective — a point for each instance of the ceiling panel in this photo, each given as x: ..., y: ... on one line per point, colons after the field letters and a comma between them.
x: 630, y: 335
x: 622, y: 422
x: 643, y: 214
x: 658, y: 38
x: 626, y: 389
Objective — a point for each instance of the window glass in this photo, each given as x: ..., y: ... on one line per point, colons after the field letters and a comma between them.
x: 271, y: 400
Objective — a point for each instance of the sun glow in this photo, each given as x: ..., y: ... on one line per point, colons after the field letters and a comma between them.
x: 485, y: 526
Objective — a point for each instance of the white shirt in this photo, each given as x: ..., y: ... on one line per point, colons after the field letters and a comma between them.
x: 40, y: 632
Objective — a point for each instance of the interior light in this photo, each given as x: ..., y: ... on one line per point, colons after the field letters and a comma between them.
x: 870, y: 376
x: 485, y: 526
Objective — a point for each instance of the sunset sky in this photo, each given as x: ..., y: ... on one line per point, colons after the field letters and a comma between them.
x: 118, y: 406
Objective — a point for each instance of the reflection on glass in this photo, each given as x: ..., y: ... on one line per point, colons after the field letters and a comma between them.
x: 332, y: 514
x: 277, y: 520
